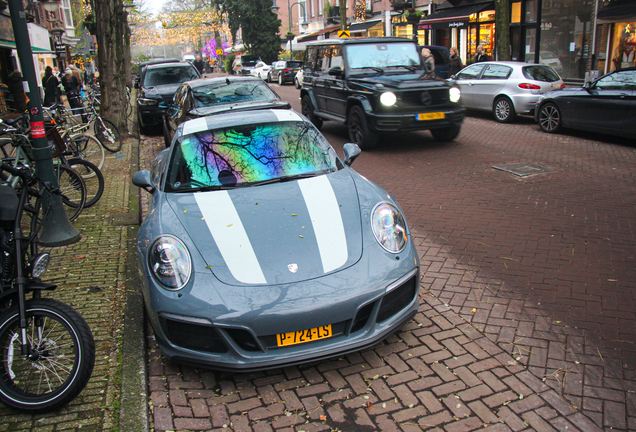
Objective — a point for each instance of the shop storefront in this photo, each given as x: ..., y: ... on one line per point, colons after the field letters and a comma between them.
x: 617, y: 49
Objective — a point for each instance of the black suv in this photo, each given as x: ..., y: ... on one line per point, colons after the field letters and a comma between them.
x: 157, y: 86
x: 377, y: 85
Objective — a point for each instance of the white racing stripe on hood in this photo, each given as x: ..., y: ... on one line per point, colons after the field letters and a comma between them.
x: 327, y: 221
x: 195, y: 125
x: 286, y: 115
x: 226, y: 227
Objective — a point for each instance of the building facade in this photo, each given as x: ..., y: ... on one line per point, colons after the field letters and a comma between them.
x: 578, y: 38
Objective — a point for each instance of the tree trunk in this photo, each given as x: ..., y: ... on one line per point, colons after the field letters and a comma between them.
x: 502, y: 26
x: 112, y: 55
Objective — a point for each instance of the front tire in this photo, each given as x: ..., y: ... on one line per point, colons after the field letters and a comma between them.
x: 359, y: 131
x: 446, y: 134
x: 550, y: 119
x: 281, y: 81
x: 503, y: 110
x: 108, y: 134
x: 166, y: 133
x: 63, y: 353
x: 297, y: 84
x: 308, y: 111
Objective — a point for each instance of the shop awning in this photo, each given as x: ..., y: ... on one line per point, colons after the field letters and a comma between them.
x: 455, y: 16
x: 36, y: 50
x: 314, y: 36
x: 617, y: 11
x: 363, y: 26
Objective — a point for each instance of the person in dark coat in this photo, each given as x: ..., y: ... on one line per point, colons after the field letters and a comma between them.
x: 50, y: 87
x: 455, y: 62
x: 20, y: 99
x: 72, y: 87
x: 198, y: 63
x: 480, y: 55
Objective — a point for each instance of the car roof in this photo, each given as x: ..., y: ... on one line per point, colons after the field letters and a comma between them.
x: 158, y: 61
x: 164, y: 65
x: 232, y: 78
x: 512, y: 63
x: 354, y: 41
x: 239, y: 118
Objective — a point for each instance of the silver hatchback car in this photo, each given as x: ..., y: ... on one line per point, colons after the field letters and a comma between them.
x: 505, y: 88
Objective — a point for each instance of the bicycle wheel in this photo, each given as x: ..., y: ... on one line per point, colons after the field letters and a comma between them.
x: 73, y: 190
x: 87, y: 147
x: 108, y: 134
x: 93, y: 179
x: 61, y: 361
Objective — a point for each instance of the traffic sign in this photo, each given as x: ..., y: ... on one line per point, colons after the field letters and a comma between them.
x: 344, y: 34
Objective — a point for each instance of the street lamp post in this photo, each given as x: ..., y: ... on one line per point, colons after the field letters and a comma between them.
x: 304, y: 24
x: 56, y: 229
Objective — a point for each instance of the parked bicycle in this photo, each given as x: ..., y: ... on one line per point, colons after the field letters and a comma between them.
x: 47, y: 350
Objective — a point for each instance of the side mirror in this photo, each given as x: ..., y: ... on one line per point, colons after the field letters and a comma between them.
x: 143, y: 180
x: 587, y: 85
x: 351, y: 152
x: 335, y: 71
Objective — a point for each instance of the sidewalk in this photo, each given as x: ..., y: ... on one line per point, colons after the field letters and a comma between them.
x: 92, y: 277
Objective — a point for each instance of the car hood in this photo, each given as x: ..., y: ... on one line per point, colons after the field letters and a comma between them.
x: 399, y: 81
x: 274, y: 234
x: 162, y: 90
x: 204, y: 111
x: 565, y: 92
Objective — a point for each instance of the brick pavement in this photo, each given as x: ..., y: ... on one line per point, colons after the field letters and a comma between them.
x: 91, y: 278
x: 527, y: 318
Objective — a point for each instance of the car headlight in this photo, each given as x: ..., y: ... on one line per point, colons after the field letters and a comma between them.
x: 388, y: 98
x: 454, y: 94
x: 147, y: 102
x: 169, y: 262
x: 389, y: 227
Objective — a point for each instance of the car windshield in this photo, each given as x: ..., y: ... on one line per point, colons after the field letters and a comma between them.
x: 294, y: 64
x: 248, y: 60
x: 540, y: 73
x: 381, y: 55
x: 249, y: 155
x: 231, y: 92
x: 169, y: 75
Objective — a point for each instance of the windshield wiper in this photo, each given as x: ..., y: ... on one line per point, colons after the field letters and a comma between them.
x: 284, y: 179
x: 411, y: 68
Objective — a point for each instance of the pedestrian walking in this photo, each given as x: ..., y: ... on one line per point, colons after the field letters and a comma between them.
x: 237, y: 66
x: 480, y: 55
x: 455, y: 62
x: 50, y: 87
x: 429, y: 62
x: 198, y: 64
x: 72, y: 88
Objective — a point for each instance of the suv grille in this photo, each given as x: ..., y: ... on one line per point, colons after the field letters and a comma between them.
x: 424, y: 98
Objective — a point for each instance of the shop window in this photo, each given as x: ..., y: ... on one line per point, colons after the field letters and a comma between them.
x: 515, y: 13
x: 531, y: 11
x: 623, y: 46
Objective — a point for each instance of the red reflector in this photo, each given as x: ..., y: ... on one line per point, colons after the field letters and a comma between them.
x: 286, y: 70
x: 529, y: 86
x: 562, y: 85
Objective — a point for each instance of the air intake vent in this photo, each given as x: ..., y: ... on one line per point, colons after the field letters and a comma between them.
x: 397, y: 299
x: 193, y: 336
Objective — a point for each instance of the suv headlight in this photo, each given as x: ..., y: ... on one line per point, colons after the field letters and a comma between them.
x: 170, y: 262
x: 147, y: 102
x: 389, y: 227
x: 388, y: 98
x: 454, y: 94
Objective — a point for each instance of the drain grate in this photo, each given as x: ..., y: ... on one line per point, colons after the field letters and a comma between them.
x: 523, y: 169
x: 123, y: 219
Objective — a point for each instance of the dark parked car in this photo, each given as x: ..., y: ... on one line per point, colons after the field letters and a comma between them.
x: 606, y: 105
x: 157, y: 85
x: 206, y: 96
x: 377, y: 85
x: 441, y: 54
x: 284, y: 71
x: 262, y: 248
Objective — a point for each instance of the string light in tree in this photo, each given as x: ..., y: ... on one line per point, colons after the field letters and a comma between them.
x: 360, y: 10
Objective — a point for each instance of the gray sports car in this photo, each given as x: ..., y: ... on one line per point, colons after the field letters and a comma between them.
x: 262, y: 248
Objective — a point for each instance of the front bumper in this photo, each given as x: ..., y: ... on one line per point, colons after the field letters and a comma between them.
x: 409, y: 122
x: 150, y: 115
x: 200, y: 328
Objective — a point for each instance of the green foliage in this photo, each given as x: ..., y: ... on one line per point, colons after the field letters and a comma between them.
x: 259, y: 25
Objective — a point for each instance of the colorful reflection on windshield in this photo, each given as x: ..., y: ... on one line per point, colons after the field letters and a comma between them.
x: 244, y: 155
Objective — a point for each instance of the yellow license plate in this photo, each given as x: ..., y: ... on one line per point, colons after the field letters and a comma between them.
x: 430, y: 116
x: 302, y: 336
